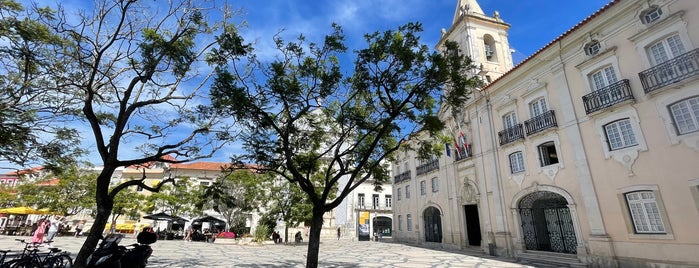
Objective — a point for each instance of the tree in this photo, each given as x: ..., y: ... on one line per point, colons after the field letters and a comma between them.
x: 288, y: 203
x: 128, y: 203
x: 306, y: 122
x: 69, y: 192
x: 28, y: 113
x: 177, y: 199
x: 235, y: 194
x: 133, y: 73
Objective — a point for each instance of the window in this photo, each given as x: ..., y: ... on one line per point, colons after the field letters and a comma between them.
x: 489, y: 48
x: 423, y: 188
x: 537, y: 107
x: 435, y: 185
x: 685, y: 115
x: 409, y: 222
x: 407, y: 168
x: 375, y: 201
x: 389, y: 201
x: 509, y: 120
x: 620, y: 134
x: 360, y: 200
x: 407, y: 191
x: 603, y: 78
x: 516, y: 162
x: 651, y: 14
x: 547, y: 154
x: 665, y: 49
x: 398, y: 169
x: 400, y: 222
x: 644, y: 212
x: 398, y: 193
x: 592, y: 48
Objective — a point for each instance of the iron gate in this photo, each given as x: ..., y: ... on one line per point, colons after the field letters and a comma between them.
x: 546, y: 223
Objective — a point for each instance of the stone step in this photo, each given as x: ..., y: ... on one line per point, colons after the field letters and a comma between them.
x: 550, y: 259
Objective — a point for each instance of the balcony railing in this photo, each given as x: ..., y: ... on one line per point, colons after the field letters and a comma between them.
x: 427, y: 167
x: 465, y: 153
x: 402, y: 177
x: 540, y: 122
x: 670, y: 72
x: 607, y: 96
x: 366, y: 207
x: 511, y: 134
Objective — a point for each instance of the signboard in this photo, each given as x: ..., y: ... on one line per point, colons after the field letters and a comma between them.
x: 363, y: 226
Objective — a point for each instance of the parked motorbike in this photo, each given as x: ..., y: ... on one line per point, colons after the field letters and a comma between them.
x: 110, y: 254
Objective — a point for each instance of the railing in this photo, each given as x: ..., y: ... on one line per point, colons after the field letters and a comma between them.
x: 427, y: 167
x: 511, y: 134
x: 465, y: 153
x: 402, y: 177
x: 608, y: 96
x: 670, y: 72
x: 372, y: 207
x: 540, y: 122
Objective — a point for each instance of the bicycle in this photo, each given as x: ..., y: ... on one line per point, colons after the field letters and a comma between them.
x: 31, y: 258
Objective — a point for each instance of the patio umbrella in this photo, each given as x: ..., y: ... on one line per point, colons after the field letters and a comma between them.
x: 159, y: 217
x: 24, y: 211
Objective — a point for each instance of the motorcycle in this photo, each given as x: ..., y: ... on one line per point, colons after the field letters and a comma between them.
x: 110, y: 254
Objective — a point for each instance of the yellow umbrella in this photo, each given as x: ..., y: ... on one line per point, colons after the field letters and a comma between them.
x: 24, y: 211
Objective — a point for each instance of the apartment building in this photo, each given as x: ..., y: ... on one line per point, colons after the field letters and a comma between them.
x: 584, y: 154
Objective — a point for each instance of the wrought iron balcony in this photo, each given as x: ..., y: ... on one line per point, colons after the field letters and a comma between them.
x: 402, y: 177
x: 540, y: 122
x: 672, y: 71
x: 465, y: 153
x: 365, y: 207
x: 427, y: 167
x: 608, y: 96
x: 511, y: 134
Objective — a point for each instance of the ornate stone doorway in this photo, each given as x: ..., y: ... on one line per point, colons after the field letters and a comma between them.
x: 546, y: 222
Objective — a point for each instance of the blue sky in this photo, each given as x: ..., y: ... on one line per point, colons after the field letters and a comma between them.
x: 534, y: 23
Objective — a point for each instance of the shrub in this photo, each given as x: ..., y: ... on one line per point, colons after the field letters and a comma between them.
x: 261, y: 233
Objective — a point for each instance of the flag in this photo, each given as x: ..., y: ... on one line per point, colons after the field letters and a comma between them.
x: 448, y: 150
x: 463, y: 144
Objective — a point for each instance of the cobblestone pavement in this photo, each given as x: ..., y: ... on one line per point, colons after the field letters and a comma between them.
x: 333, y: 253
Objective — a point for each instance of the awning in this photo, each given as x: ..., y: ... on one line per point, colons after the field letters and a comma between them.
x: 163, y: 217
x: 25, y: 211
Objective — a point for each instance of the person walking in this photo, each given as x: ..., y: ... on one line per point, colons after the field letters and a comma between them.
x: 54, y: 226
x: 79, y: 228
x: 40, y: 231
x: 339, y: 233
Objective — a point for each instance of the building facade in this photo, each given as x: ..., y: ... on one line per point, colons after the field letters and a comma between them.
x: 366, y: 212
x: 585, y: 153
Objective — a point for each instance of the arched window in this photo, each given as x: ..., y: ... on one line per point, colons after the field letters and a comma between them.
x: 489, y: 46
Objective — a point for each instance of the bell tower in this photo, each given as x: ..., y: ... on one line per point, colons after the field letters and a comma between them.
x: 483, y: 38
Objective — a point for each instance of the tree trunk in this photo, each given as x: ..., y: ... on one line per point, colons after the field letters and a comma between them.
x: 314, y: 237
x: 286, y: 233
x: 104, y: 209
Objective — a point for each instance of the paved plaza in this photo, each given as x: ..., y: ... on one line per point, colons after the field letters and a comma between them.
x: 333, y: 253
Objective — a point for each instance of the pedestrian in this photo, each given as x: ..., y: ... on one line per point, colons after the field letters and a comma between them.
x: 79, y: 228
x: 40, y: 231
x: 54, y: 226
x: 188, y: 234
x: 338, y: 233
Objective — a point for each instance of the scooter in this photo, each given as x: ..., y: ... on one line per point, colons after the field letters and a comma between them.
x: 110, y: 255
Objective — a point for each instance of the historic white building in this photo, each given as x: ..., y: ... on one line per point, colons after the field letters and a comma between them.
x: 584, y: 154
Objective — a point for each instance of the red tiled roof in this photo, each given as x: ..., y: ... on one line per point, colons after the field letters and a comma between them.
x: 560, y: 37
x: 25, y: 171
x: 201, y: 165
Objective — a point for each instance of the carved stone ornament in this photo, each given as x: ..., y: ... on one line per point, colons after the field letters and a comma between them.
x: 627, y: 159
